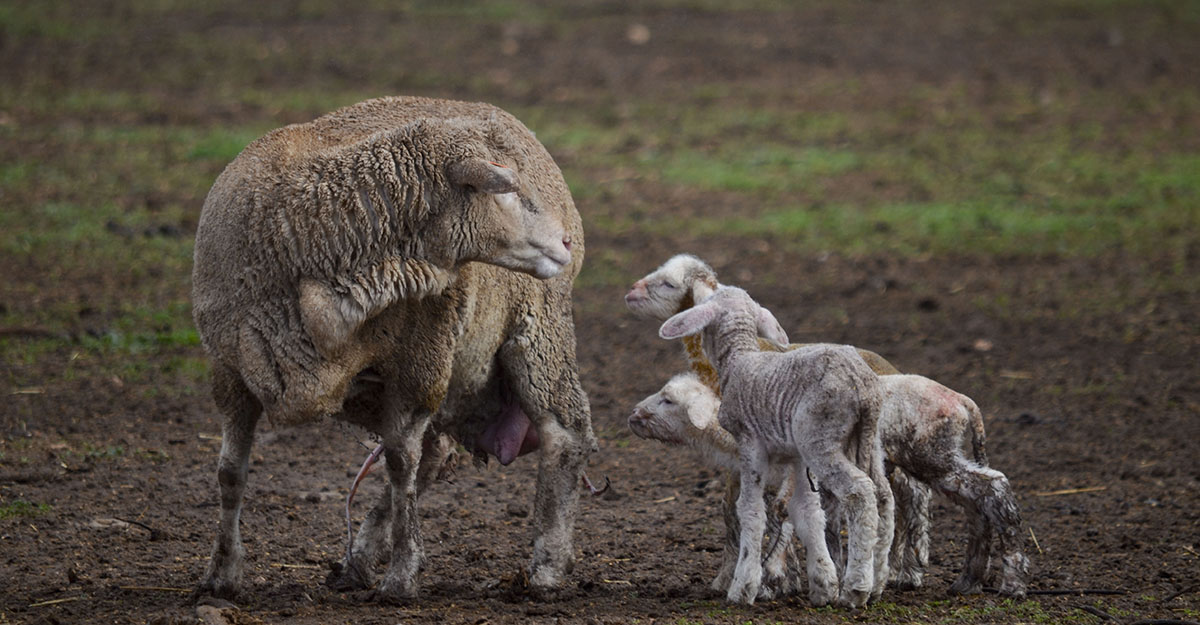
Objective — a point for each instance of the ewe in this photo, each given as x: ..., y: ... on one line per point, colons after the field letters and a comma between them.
x: 814, y: 409
x: 365, y: 265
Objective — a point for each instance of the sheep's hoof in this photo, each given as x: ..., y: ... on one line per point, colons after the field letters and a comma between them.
x: 217, y: 586
x: 852, y: 598
x: 742, y: 593
x: 391, y: 594
x: 343, y: 578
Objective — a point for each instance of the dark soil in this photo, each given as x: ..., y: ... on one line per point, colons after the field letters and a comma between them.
x: 1085, y: 370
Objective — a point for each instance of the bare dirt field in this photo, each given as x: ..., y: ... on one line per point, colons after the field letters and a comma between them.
x: 1085, y: 364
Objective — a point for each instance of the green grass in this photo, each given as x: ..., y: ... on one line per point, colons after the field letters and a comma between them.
x: 22, y: 508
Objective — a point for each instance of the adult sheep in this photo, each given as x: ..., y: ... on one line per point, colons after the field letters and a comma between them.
x: 378, y: 264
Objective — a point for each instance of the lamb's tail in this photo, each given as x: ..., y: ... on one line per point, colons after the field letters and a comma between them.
x: 978, y: 437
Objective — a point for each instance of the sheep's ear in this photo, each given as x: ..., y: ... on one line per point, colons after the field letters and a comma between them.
x: 484, y: 176
x: 688, y: 322
x: 697, y: 418
x: 701, y: 290
x: 769, y: 328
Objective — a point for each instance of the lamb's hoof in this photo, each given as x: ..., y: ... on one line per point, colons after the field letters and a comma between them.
x: 966, y: 585
x: 343, y: 578
x: 742, y: 593
x: 906, y: 581
x: 1012, y: 588
x: 853, y: 598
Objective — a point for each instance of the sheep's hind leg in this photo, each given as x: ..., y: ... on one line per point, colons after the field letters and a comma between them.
x: 910, y: 550
x: 560, y: 467
x: 372, y: 545
x: 808, y: 517
x: 855, y: 492
x: 403, y: 454
x: 242, y: 411
x: 986, y: 494
x: 373, y: 541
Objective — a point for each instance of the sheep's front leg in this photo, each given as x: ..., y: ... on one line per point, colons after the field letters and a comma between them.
x: 242, y: 411
x: 403, y: 453
x: 752, y: 515
x: 808, y: 516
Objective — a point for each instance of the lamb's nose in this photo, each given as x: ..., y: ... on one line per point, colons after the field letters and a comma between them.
x: 567, y: 242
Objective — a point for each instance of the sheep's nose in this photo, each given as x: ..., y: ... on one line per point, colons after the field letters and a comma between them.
x: 567, y: 242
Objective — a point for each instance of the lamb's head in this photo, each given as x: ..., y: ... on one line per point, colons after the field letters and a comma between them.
x: 728, y: 307
x: 676, y: 413
x: 675, y: 286
x: 501, y: 207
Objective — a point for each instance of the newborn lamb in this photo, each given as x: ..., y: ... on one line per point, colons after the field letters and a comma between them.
x: 814, y: 409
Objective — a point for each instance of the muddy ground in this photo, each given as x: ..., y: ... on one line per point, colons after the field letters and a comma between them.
x: 1085, y: 370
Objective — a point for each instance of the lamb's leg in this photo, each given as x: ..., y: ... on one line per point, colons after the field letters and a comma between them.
x: 833, y: 531
x: 242, y: 411
x: 885, y: 504
x: 733, y: 532
x: 403, y: 454
x: 910, y: 551
x: 781, y: 569
x: 808, y: 517
x: 856, y: 495
x: 986, y: 496
x: 752, y: 514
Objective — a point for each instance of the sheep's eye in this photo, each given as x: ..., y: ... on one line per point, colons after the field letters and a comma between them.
x: 668, y: 284
x: 529, y: 206
x: 667, y: 401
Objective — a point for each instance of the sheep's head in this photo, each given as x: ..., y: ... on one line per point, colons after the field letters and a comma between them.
x: 675, y: 286
x: 676, y: 412
x: 725, y: 301
x: 511, y: 215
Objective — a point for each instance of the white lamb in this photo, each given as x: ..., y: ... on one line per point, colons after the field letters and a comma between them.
x: 813, y: 409
x: 684, y: 412
x: 922, y: 427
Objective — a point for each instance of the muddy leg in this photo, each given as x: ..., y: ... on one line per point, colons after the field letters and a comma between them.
x: 560, y: 467
x: 241, y: 410
x: 910, y: 551
x: 885, y: 504
x: 856, y: 496
x: 986, y: 496
x: 403, y: 455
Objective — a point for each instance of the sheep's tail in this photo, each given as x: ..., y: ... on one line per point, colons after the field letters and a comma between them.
x: 978, y: 437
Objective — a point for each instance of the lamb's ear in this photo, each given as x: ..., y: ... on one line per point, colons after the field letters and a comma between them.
x: 484, y: 176
x: 688, y: 322
x: 769, y: 328
x: 696, y: 417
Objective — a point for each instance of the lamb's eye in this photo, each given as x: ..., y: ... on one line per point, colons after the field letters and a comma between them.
x: 668, y: 284
x: 667, y: 401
